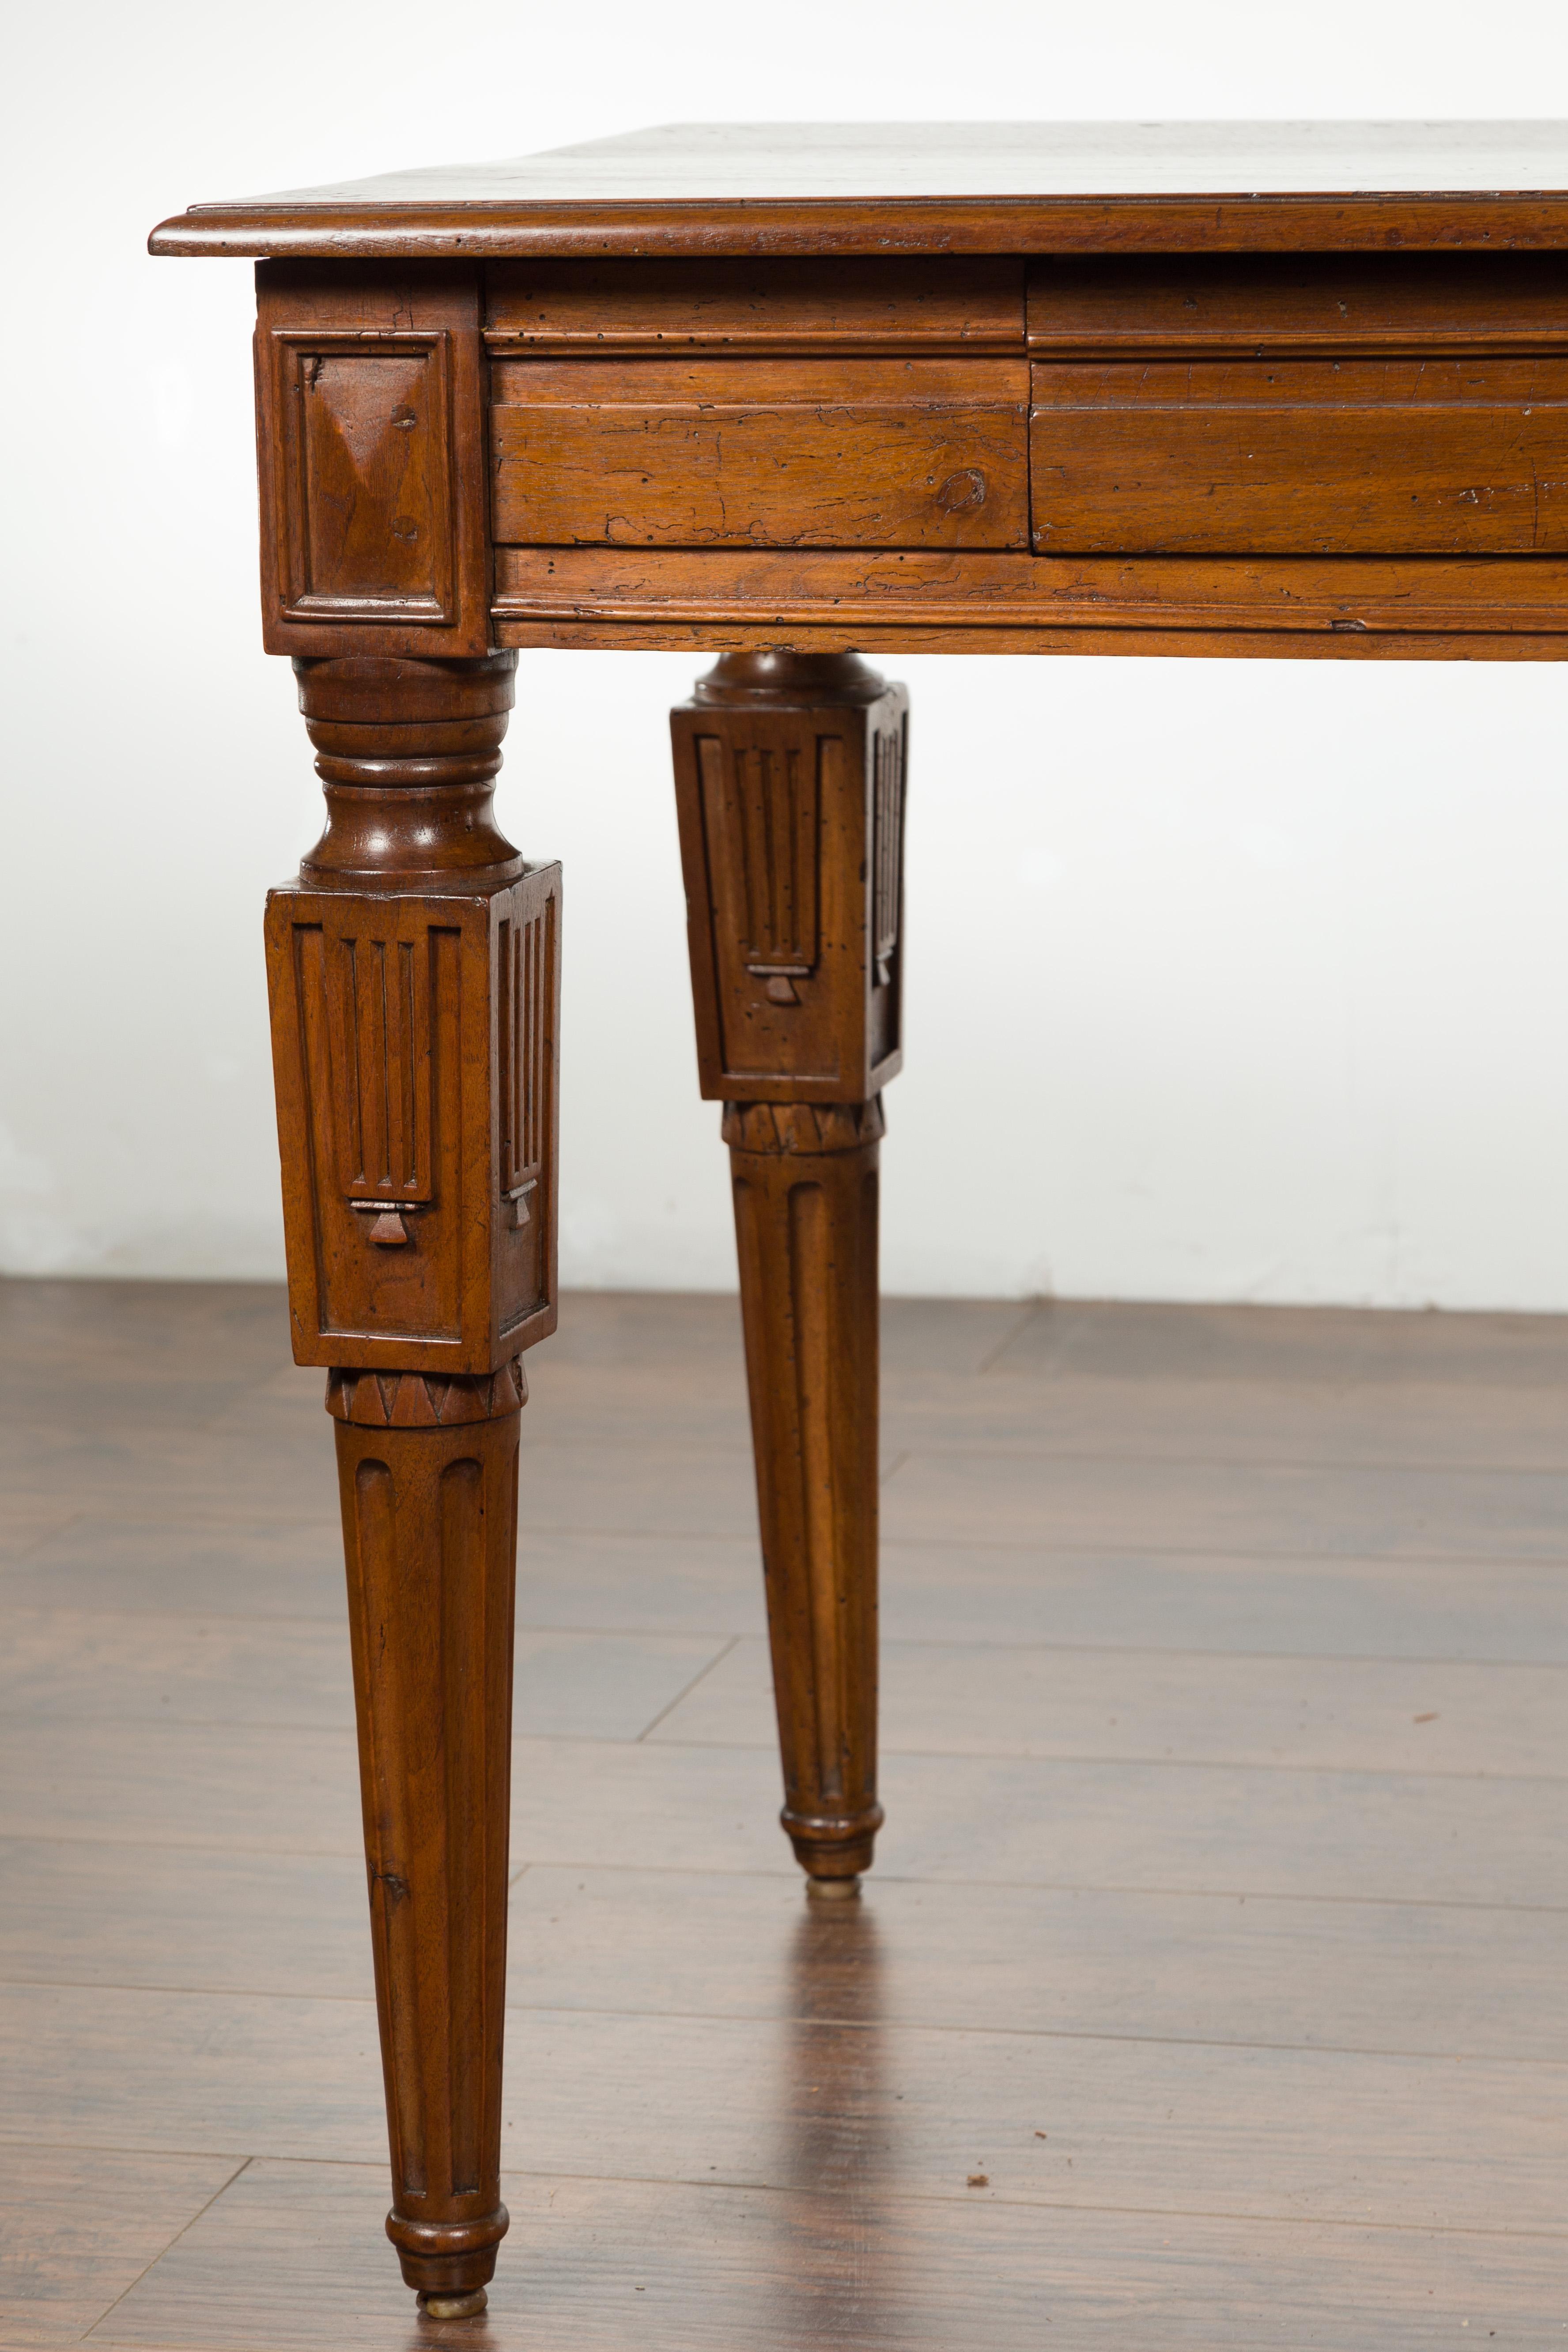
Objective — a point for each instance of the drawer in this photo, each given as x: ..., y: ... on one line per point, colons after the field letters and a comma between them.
x: 1300, y: 457
x: 733, y: 452
x: 1300, y: 405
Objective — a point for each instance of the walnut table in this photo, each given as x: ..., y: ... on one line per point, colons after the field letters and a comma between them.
x: 771, y: 393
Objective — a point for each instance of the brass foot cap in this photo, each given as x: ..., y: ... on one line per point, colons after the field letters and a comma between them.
x: 832, y: 1890
x: 453, y: 2306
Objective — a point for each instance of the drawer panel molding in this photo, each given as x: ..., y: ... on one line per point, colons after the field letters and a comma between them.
x: 1300, y: 457
x: 712, y: 453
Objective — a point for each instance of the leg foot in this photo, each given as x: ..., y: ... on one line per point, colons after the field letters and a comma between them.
x: 453, y: 2306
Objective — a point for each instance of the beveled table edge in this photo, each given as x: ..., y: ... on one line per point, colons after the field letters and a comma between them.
x: 1355, y: 221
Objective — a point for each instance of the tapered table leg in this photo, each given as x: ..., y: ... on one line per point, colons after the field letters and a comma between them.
x: 429, y: 1511
x: 805, y: 1229
x: 790, y: 786
x: 413, y: 969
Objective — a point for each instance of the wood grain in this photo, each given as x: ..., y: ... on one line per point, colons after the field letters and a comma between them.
x: 1417, y: 1838
x: 1262, y: 2134
x: 94, y: 1911
x: 1331, y: 1714
x: 66, y: 1663
x: 1258, y: 1507
x: 1439, y: 1979
x: 29, y: 1526
x: 95, y: 2219
x: 1447, y: 1980
x: 1132, y: 1343
x: 1299, y: 458
x: 120, y: 1339
x: 231, y: 1786
x: 790, y: 790
x: 1040, y: 603
x: 891, y: 304
x: 693, y: 445
x: 1299, y: 1604
x: 689, y: 2268
x: 102, y: 1560
x: 368, y: 399
x: 133, y: 1471
x: 759, y: 453
x: 825, y: 629
x: 1222, y: 1421
x: 1384, y: 303
x: 1270, y: 1983
x: 789, y: 781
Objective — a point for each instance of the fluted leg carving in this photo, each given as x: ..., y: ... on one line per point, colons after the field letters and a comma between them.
x: 429, y: 1536
x: 414, y: 969
x: 805, y: 1230
x: 790, y: 787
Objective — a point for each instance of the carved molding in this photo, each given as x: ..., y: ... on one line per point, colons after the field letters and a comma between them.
x: 791, y: 817
x: 420, y: 1401
x: 527, y: 961
x: 813, y: 1129
x: 415, y: 1052
x: 819, y: 1830
x: 382, y: 1027
x: 367, y: 478
x: 370, y: 435
x: 887, y: 848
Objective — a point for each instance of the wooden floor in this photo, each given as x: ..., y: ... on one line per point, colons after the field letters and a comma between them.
x: 1209, y: 1990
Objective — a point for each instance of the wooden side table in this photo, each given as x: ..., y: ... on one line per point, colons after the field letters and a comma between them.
x: 771, y: 393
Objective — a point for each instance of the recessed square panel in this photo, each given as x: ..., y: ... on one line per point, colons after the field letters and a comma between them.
x: 368, y: 470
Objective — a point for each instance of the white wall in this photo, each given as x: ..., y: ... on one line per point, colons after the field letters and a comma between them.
x: 1240, y: 981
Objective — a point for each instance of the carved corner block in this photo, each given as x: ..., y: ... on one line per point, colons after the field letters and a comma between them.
x: 792, y: 819
x: 415, y: 1052
x: 370, y: 436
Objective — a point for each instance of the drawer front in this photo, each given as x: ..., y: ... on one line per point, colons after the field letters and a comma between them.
x: 761, y: 453
x: 1299, y: 457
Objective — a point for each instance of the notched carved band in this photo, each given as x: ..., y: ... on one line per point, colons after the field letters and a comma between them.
x: 436, y: 2238
x: 834, y: 1829
x: 803, y: 1128
x: 422, y: 1401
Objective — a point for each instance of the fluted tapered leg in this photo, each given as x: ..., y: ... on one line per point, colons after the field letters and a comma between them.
x: 413, y: 969
x: 429, y: 1537
x: 790, y: 786
x: 805, y: 1230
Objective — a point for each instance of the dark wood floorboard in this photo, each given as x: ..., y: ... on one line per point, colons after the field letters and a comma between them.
x: 288, y: 2259
x: 1225, y: 1652
x: 1291, y: 1605
x: 183, y: 1918
x: 1332, y: 1835
x: 1418, y: 1977
x: 1411, y: 1977
x: 1140, y: 2125
x: 293, y: 1674
x: 1115, y: 1504
x: 81, y: 2225
x: 1338, y: 1713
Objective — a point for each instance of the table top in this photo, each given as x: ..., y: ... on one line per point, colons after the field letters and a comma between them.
x: 1021, y: 187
